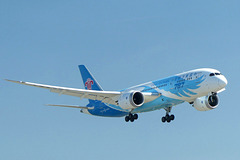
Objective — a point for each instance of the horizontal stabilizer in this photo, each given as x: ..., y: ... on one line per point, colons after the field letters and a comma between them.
x: 70, y: 106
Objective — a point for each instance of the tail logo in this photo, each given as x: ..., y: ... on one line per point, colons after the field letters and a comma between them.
x: 89, y: 83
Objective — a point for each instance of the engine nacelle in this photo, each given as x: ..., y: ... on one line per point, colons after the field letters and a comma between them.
x: 206, y: 103
x: 131, y: 100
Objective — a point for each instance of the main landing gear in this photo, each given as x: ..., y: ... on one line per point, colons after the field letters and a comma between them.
x: 168, y: 117
x: 131, y: 117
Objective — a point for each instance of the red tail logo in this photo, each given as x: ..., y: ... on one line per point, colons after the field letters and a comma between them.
x: 89, y: 83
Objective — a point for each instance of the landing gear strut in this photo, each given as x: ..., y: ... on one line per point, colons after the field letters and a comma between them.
x: 131, y: 117
x: 168, y: 117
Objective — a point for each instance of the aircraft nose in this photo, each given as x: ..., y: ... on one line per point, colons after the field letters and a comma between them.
x: 222, y: 82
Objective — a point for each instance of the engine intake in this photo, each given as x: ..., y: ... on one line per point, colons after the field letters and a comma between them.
x: 206, y: 103
x: 131, y: 100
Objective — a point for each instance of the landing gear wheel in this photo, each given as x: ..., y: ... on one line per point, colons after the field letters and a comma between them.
x: 130, y: 116
x: 135, y: 116
x: 163, y: 119
x: 132, y: 119
x: 172, y: 117
x: 168, y: 119
x: 127, y: 119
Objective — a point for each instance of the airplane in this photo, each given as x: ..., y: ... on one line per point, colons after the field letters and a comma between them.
x: 198, y: 87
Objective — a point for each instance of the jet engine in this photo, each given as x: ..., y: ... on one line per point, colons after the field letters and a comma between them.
x: 131, y: 100
x: 206, y: 103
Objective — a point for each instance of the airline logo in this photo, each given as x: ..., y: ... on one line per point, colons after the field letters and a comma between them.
x: 89, y: 83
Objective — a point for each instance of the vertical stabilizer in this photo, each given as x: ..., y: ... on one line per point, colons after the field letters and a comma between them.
x: 89, y: 81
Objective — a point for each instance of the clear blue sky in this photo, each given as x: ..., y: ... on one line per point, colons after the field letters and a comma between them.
x: 123, y: 43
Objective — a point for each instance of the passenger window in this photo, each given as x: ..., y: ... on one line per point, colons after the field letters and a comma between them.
x: 212, y: 74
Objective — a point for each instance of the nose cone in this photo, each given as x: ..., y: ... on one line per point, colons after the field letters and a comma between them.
x: 222, y: 82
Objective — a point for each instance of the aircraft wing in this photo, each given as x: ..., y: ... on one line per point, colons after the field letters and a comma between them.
x: 110, y: 97
x: 71, y: 106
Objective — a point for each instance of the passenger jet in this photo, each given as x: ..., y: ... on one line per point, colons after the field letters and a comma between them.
x: 198, y: 87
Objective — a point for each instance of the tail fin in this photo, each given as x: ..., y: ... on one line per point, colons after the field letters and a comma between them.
x: 88, y: 80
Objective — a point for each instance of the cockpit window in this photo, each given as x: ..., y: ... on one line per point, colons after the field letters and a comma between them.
x: 213, y: 74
